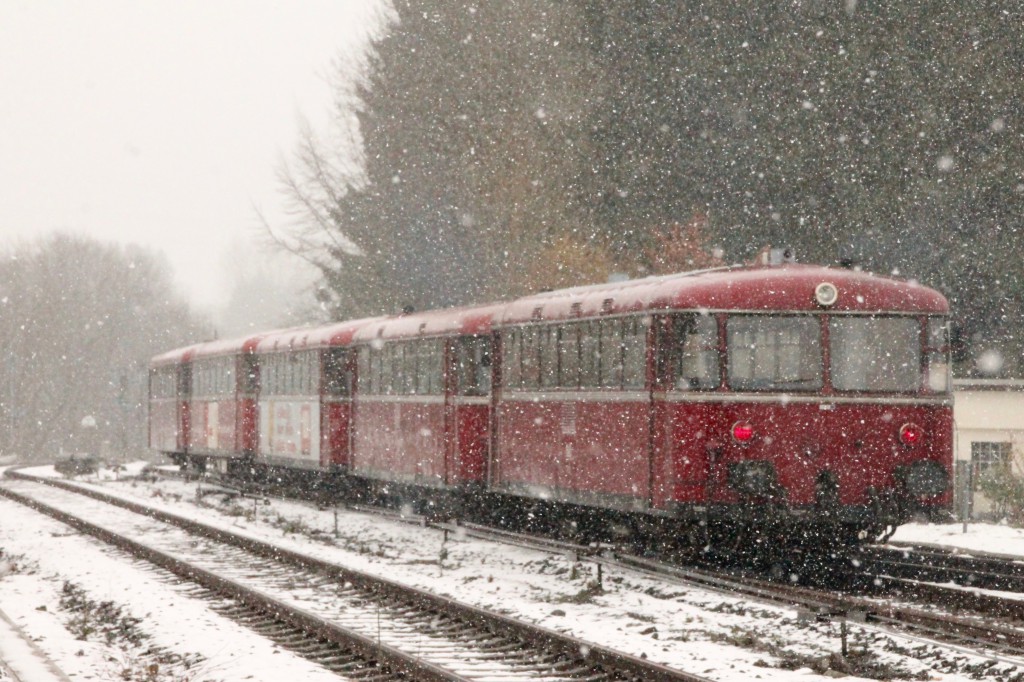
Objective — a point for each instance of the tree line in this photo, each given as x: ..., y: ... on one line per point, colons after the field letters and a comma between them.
x: 511, y: 147
x: 79, y: 321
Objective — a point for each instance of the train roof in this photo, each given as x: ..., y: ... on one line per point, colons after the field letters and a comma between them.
x: 307, y: 338
x: 788, y: 287
x: 461, y: 321
x: 215, y: 348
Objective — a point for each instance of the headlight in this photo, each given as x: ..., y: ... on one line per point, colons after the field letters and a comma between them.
x: 826, y: 294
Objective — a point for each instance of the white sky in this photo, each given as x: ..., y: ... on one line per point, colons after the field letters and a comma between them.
x: 161, y: 122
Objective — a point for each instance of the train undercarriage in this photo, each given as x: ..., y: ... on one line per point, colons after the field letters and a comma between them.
x: 770, y: 537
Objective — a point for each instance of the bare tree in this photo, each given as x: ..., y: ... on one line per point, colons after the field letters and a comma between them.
x: 80, y: 320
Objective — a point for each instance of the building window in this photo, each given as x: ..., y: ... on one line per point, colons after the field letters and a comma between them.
x: 988, y: 458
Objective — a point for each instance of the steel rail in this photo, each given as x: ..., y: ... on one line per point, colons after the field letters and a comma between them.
x: 951, y: 629
x: 398, y: 664
x: 617, y: 665
x: 932, y: 564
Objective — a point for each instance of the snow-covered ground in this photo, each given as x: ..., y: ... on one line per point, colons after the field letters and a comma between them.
x: 703, y: 632
x: 987, y: 538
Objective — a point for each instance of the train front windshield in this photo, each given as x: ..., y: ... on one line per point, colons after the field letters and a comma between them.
x: 870, y: 354
x: 774, y: 353
x: 875, y: 354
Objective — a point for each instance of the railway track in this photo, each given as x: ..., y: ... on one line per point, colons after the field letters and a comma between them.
x: 958, y: 616
x: 359, y: 625
x: 904, y: 584
x: 937, y: 565
x: 970, y: 629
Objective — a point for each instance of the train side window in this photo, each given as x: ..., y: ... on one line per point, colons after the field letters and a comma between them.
x: 937, y: 360
x: 276, y: 384
x: 417, y: 358
x: 548, y: 341
x: 392, y: 368
x: 472, y: 357
x: 611, y: 353
x: 266, y: 374
x: 425, y: 381
x: 364, y: 371
x: 590, y: 355
x: 337, y: 378
x: 569, y: 356
x: 435, y: 367
x: 406, y: 355
x: 530, y: 359
x: 511, y: 352
x: 313, y: 371
x: 692, y: 350
x: 634, y: 353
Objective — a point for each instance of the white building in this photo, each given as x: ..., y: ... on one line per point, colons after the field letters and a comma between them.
x: 988, y: 417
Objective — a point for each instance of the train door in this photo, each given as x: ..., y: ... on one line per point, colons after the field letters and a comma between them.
x: 685, y: 420
x: 338, y: 366
x: 467, y: 409
x: 247, y: 416
x: 184, y: 406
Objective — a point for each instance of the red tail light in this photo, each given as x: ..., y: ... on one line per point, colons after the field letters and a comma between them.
x: 742, y: 431
x: 911, y: 434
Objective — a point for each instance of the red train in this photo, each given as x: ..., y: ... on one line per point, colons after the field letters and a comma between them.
x: 789, y: 400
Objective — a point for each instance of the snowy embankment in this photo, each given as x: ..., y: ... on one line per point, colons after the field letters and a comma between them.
x: 711, y: 634
x: 987, y: 538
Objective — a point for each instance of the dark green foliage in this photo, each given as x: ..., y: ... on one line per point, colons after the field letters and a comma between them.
x: 498, y: 135
x: 1006, y: 492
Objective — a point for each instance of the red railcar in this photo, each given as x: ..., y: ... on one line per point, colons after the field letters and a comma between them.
x: 785, y: 396
x: 305, y: 390
x: 203, y: 402
x: 796, y: 394
x: 421, y: 413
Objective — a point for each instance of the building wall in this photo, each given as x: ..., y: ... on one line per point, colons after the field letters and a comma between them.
x: 987, y: 412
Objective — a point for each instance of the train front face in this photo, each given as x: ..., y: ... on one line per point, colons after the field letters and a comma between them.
x: 811, y: 398
x: 838, y: 417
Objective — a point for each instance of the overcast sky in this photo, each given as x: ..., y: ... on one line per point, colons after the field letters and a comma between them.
x: 161, y: 122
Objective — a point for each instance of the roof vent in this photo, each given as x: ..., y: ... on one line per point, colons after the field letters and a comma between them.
x: 771, y: 256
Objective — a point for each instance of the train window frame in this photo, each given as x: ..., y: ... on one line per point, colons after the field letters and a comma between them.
x: 511, y: 360
x: 610, y: 363
x: 937, y: 356
x: 810, y: 356
x: 163, y: 383
x: 336, y: 372
x: 472, y: 365
x: 634, y: 352
x: 548, y: 366
x: 689, y: 352
x: 530, y: 359
x: 250, y: 374
x: 862, y: 343
x: 590, y: 349
x: 569, y: 356
x: 364, y: 375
